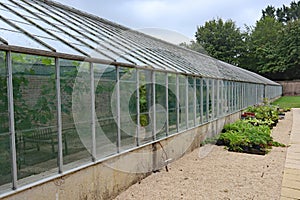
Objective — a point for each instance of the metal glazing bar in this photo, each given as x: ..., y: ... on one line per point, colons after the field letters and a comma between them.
x: 81, y: 33
x: 138, y: 126
x: 213, y: 98
x: 118, y: 110
x: 45, y: 30
x: 59, y: 117
x: 93, y: 112
x: 153, y: 106
x: 132, y: 44
x: 218, y: 98
x: 167, y: 104
x: 256, y: 94
x: 234, y: 95
x: 195, y: 100
x: 3, y: 41
x: 60, y: 29
x: 145, y: 48
x: 11, y: 120
x: 201, y: 101
x: 238, y: 96
x: 226, y: 97
x: 187, y: 102
x: 177, y: 102
x: 221, y: 98
x: 231, y: 96
x: 26, y: 33
x: 101, y: 38
x: 207, y: 99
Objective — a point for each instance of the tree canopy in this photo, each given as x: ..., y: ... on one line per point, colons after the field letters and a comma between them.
x: 222, y: 40
x: 271, y: 47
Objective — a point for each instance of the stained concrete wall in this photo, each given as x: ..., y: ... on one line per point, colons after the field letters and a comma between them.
x: 290, y: 88
x: 106, y: 179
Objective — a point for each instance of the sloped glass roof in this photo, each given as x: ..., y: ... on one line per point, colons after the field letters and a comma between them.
x: 50, y: 26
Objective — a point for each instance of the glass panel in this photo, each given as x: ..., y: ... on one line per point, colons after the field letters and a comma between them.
x: 229, y: 96
x: 160, y: 101
x: 198, y: 101
x: 191, y: 102
x: 172, y: 101
x: 216, y: 95
x: 5, y: 162
x: 76, y: 112
x: 210, y: 96
x: 146, y: 106
x: 182, y: 103
x: 35, y: 115
x: 23, y: 41
x: 221, y: 98
x: 205, y: 118
x: 128, y: 107
x: 106, y: 118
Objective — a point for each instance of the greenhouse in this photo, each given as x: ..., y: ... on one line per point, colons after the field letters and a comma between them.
x: 77, y: 90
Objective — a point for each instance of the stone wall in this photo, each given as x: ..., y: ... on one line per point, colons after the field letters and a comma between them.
x: 290, y: 88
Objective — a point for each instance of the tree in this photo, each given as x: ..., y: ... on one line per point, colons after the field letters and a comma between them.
x: 288, y: 52
x: 269, y: 12
x: 263, y: 41
x: 222, y: 40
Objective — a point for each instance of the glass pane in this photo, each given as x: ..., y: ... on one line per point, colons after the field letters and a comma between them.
x: 146, y: 105
x: 191, y: 101
x: 210, y: 97
x: 216, y: 95
x: 106, y: 118
x: 172, y: 101
x: 76, y: 112
x: 225, y: 107
x: 5, y: 162
x: 128, y: 105
x: 160, y: 101
x: 35, y: 115
x: 205, y: 96
x: 182, y: 103
x: 198, y: 101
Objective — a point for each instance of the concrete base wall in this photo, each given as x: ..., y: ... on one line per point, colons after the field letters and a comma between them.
x: 290, y: 88
x: 107, y: 179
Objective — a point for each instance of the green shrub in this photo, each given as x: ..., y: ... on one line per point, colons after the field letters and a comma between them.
x: 243, y: 136
x: 264, y: 115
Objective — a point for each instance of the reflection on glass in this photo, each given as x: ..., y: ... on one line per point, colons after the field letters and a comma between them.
x: 191, y: 102
x: 205, y: 96
x: 5, y: 163
x: 160, y: 104
x: 146, y: 106
x: 210, y: 99
x: 35, y: 114
x: 172, y: 101
x: 128, y: 104
x: 76, y: 112
x: 182, y: 103
x: 105, y: 104
x: 198, y: 101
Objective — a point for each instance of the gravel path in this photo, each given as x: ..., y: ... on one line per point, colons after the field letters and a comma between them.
x: 211, y: 172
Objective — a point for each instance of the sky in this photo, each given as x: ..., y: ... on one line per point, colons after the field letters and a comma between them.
x: 174, y: 18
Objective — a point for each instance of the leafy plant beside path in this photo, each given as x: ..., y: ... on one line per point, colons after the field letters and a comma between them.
x: 252, y: 134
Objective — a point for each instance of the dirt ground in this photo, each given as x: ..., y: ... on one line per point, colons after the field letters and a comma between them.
x: 211, y: 172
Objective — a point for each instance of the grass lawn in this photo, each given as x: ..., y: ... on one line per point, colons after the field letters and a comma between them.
x: 288, y: 102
